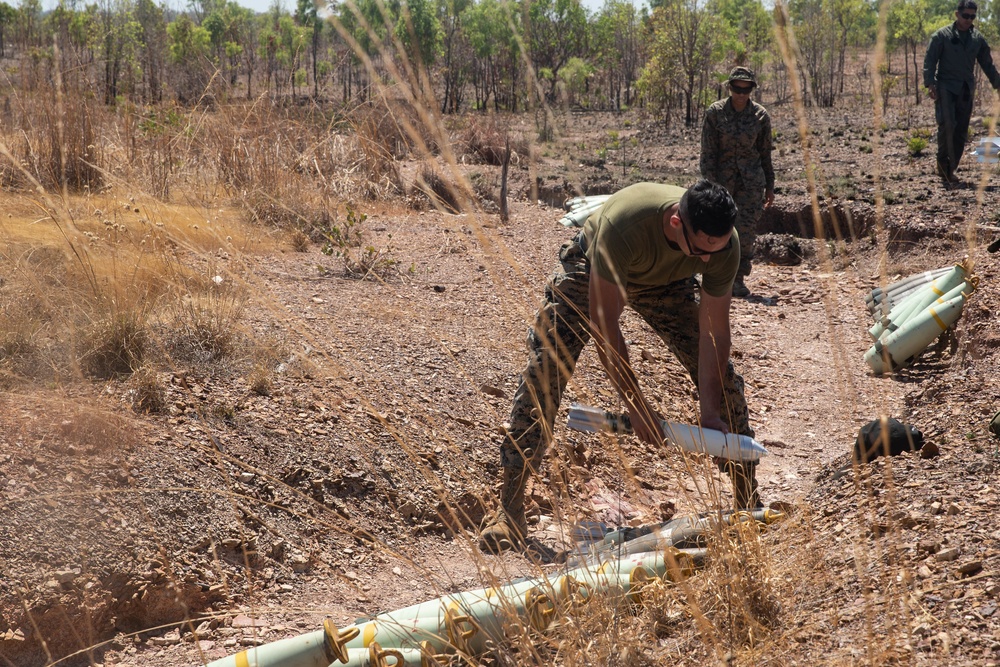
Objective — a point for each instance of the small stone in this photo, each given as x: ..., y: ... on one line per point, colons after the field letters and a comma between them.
x: 970, y: 567
x: 244, y: 621
x: 67, y: 576
x: 169, y: 639
x: 949, y: 554
x: 929, y: 450
x: 924, y: 572
x: 492, y: 391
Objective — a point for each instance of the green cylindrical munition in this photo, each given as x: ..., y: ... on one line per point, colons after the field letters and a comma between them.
x: 379, y: 656
x: 313, y: 649
x: 895, y: 350
x: 895, y: 291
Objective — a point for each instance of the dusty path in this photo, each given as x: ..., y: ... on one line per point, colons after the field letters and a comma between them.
x: 801, y: 344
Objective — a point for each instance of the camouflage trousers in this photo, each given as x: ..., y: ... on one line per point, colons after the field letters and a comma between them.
x: 750, y: 203
x: 562, y: 330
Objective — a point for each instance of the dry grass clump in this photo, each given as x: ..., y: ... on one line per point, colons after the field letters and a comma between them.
x: 601, y: 631
x: 204, y: 327
x: 441, y: 193
x: 47, y: 146
x: 144, y: 392
x: 114, y: 345
x: 20, y: 326
x: 486, y: 138
x: 740, y: 596
x: 727, y: 610
x: 75, y: 426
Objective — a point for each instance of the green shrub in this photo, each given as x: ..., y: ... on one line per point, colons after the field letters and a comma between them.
x: 916, y: 145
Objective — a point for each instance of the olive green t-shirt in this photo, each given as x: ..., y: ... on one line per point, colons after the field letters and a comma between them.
x: 626, y: 243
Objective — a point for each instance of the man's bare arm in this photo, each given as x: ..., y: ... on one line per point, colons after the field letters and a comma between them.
x: 607, y: 301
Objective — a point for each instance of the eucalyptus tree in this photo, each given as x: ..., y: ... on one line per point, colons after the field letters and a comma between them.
x: 121, y: 46
x: 307, y: 16
x: 909, y: 26
x: 190, y: 48
x: 816, y: 33
x: 825, y: 30
x: 556, y: 32
x: 492, y: 28
x: 153, y: 36
x: 456, y: 53
x: 687, y: 45
x: 750, y: 33
x: 28, y: 24
x: 8, y: 15
x: 617, y: 47
x: 400, y: 39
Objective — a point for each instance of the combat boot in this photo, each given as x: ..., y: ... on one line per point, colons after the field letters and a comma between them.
x: 508, y: 528
x: 744, y: 478
x: 740, y: 289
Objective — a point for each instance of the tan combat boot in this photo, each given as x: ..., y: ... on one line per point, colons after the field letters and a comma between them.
x: 508, y: 528
x: 744, y: 478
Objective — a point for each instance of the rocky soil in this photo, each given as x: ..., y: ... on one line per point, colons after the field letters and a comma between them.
x: 345, y: 474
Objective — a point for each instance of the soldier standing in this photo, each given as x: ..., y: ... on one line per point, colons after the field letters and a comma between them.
x: 736, y: 153
x: 950, y: 77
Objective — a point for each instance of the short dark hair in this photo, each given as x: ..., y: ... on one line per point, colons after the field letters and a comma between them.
x: 708, y: 207
x: 966, y: 4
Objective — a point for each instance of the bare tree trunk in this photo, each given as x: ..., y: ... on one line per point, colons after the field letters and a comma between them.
x: 504, y: 213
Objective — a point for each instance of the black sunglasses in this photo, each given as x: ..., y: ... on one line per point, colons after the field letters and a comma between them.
x: 698, y: 252
x: 968, y: 17
x: 741, y: 90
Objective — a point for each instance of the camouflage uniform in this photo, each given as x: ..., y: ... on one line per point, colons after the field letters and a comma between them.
x: 562, y: 330
x: 736, y: 154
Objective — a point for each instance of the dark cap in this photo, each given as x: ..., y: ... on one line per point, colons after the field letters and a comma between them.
x: 742, y: 74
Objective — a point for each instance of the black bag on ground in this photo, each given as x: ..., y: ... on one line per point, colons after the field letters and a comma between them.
x: 902, y: 438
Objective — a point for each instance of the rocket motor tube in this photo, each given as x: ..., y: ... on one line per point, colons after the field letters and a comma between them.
x: 913, y: 337
x: 908, y: 281
x: 881, y: 309
x: 922, y: 297
x: 577, y: 217
x: 574, y: 203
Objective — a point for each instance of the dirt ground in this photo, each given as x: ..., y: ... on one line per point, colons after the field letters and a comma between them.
x: 355, y: 484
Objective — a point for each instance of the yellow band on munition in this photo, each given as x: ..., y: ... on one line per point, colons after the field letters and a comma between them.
x: 937, y: 319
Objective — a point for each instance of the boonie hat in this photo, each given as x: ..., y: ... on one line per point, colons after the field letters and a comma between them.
x: 742, y: 74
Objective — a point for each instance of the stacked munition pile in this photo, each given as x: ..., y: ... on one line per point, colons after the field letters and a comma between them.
x: 617, y: 566
x: 911, y: 313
